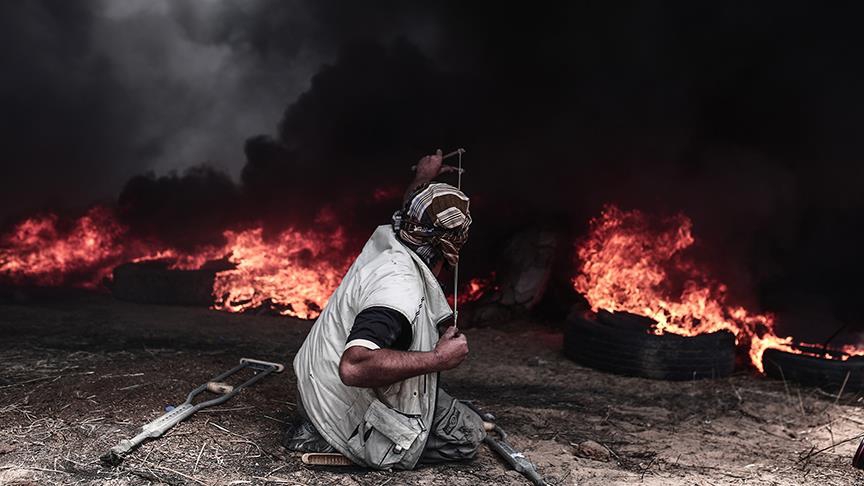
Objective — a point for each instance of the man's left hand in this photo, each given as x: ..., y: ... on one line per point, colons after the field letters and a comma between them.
x: 431, y: 166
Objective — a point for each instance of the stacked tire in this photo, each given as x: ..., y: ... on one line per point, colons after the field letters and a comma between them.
x: 620, y: 343
x: 829, y: 374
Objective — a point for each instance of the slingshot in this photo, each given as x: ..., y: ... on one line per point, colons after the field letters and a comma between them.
x: 459, y: 170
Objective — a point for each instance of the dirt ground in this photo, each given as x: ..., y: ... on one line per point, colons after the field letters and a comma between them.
x: 80, y: 372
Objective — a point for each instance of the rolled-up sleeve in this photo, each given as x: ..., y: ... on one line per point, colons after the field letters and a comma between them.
x: 380, y: 327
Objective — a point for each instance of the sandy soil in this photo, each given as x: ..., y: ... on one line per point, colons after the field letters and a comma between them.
x: 80, y: 372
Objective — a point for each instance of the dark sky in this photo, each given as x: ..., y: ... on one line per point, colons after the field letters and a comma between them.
x: 745, y: 115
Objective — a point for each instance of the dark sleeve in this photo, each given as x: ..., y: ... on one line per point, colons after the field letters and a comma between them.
x: 383, y: 326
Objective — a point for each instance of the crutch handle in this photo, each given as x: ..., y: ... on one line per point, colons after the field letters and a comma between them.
x: 219, y: 388
x: 259, y: 364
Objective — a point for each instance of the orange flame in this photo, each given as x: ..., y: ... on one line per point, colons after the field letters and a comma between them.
x: 474, y: 289
x: 38, y: 251
x: 630, y: 264
x: 294, y: 272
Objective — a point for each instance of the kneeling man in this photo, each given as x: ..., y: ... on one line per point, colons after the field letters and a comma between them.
x: 367, y: 374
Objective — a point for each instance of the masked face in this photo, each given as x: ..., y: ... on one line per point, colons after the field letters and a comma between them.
x: 434, y: 223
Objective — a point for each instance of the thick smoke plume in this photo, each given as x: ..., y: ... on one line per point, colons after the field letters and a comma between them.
x: 743, y: 116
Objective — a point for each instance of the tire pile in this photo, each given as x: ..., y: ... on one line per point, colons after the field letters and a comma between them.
x: 620, y: 343
x: 829, y: 374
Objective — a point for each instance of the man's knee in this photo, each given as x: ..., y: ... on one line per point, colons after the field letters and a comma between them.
x: 456, y: 434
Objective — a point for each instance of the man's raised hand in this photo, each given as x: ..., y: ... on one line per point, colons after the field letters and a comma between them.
x: 431, y: 166
x: 428, y: 168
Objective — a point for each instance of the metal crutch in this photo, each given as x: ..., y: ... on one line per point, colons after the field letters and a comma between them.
x: 161, y: 425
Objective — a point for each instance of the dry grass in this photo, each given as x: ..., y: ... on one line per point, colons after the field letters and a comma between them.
x: 88, y: 371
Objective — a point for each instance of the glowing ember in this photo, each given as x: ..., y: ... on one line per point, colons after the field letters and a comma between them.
x: 38, y: 251
x: 631, y: 264
x: 473, y: 290
x: 185, y: 261
x: 390, y: 193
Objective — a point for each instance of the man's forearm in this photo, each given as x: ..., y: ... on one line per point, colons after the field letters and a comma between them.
x: 368, y: 368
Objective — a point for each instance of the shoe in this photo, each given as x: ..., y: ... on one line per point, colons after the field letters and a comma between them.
x: 300, y: 435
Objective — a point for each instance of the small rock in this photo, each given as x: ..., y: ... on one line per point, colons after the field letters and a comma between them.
x: 6, y: 448
x: 536, y: 361
x: 592, y: 450
x: 16, y: 477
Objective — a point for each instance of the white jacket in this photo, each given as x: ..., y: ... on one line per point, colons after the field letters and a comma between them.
x: 379, y: 428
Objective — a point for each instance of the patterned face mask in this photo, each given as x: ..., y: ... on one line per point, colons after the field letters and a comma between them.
x: 434, y: 223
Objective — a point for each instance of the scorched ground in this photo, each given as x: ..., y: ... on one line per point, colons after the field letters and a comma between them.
x: 82, y: 371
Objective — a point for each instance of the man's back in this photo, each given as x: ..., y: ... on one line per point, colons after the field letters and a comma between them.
x: 389, y: 275
x: 367, y: 374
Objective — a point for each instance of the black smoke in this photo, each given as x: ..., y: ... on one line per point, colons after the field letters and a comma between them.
x: 184, y: 211
x: 742, y: 115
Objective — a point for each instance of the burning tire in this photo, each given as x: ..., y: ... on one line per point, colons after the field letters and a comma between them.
x: 828, y: 374
x: 152, y: 282
x: 623, y: 345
